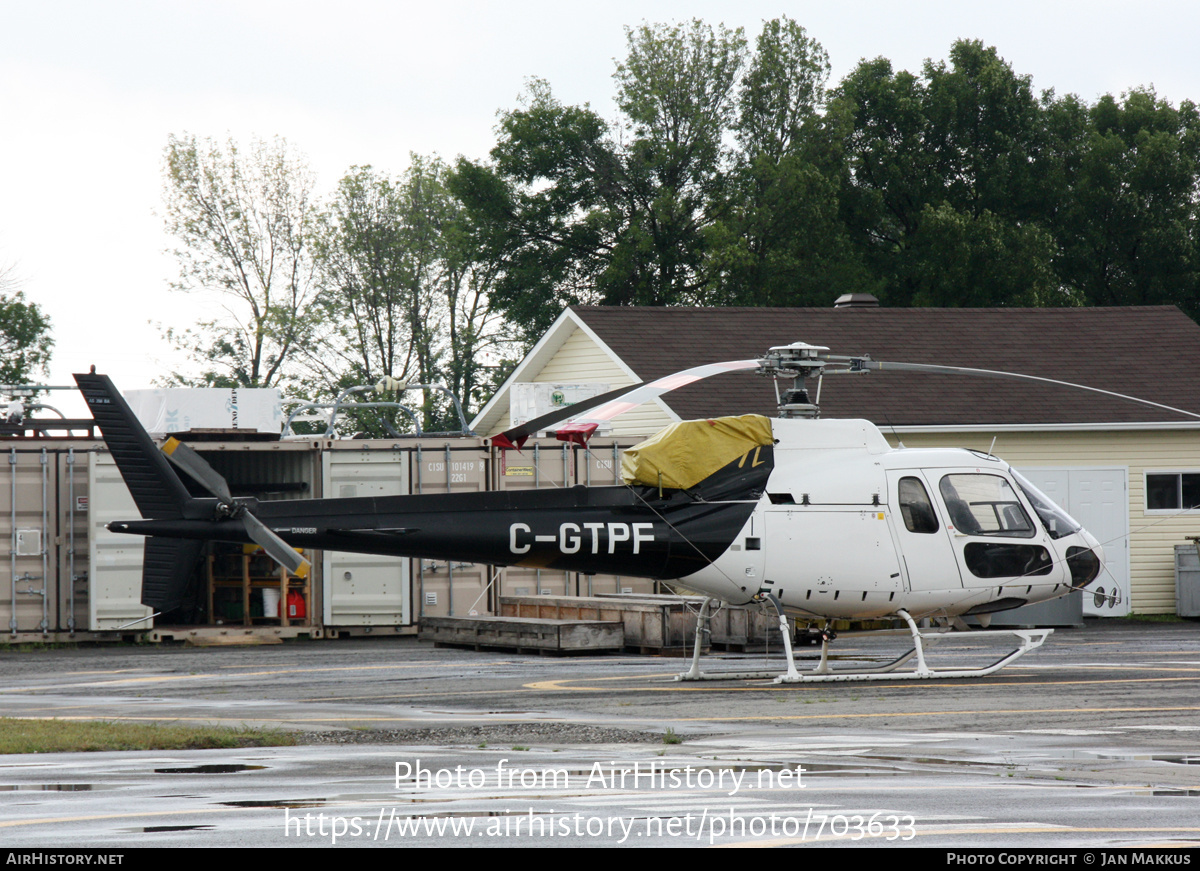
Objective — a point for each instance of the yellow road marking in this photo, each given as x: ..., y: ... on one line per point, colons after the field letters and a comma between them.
x: 988, y: 711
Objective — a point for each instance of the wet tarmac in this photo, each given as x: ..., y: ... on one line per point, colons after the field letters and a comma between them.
x: 1091, y: 741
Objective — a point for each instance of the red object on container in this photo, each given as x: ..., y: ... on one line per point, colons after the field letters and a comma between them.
x: 295, y: 604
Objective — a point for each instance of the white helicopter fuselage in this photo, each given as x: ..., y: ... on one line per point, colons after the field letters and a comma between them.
x: 853, y: 528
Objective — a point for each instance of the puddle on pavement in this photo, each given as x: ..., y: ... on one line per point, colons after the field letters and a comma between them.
x: 148, y: 829
x: 210, y: 769
x: 1178, y: 760
x: 279, y: 803
x: 1022, y: 757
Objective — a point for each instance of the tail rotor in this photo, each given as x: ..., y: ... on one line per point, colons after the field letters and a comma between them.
x: 235, y: 509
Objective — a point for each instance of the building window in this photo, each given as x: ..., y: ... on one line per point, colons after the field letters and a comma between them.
x: 1172, y: 491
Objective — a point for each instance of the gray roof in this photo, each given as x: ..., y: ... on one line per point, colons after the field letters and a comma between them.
x: 1151, y: 352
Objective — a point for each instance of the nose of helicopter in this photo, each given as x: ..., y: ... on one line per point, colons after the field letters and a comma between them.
x: 1086, y: 562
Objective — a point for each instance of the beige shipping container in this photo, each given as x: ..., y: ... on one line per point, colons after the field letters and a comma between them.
x: 29, y: 511
x: 454, y: 588
x: 43, y: 537
x: 540, y: 464
x: 600, y: 466
x: 547, y: 463
x: 264, y: 470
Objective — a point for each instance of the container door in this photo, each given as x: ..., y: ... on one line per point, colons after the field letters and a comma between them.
x: 363, y: 589
x: 541, y: 464
x: 455, y: 588
x: 115, y: 561
x: 25, y: 504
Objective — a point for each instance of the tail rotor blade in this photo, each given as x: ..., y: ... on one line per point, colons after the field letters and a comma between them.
x: 196, y: 466
x: 276, y: 548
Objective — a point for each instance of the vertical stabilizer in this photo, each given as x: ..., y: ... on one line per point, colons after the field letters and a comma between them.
x: 167, y: 563
x: 156, y: 489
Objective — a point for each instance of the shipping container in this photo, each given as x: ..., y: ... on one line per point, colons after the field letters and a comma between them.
x: 44, y: 523
x: 69, y: 575
x: 454, y: 588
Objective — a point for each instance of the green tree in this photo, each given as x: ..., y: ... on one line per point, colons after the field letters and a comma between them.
x: 1128, y: 230
x: 781, y: 93
x: 549, y: 209
x: 25, y: 341
x: 781, y: 240
x: 891, y: 174
x: 403, y: 292
x: 676, y: 91
x: 951, y: 174
x: 985, y: 130
x: 241, y: 221
x: 577, y: 210
x: 961, y: 260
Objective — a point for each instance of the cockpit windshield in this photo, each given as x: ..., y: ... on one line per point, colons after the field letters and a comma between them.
x: 1057, y: 522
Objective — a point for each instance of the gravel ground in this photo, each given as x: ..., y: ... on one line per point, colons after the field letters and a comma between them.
x: 520, y: 733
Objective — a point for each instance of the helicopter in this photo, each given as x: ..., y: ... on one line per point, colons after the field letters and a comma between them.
x: 820, y: 518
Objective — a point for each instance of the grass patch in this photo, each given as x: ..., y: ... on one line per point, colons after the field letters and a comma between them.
x: 72, y: 736
x: 1154, y: 618
x: 669, y: 737
x: 34, y: 646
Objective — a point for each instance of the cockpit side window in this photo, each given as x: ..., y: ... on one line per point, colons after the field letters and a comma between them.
x: 985, y: 505
x: 916, y: 507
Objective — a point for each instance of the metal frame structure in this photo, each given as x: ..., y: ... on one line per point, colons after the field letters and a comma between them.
x: 1030, y: 639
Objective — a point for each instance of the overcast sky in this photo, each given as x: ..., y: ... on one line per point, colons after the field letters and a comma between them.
x: 90, y: 91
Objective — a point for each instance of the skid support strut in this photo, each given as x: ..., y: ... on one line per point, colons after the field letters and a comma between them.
x: 703, y: 617
x: 702, y: 628
x: 792, y: 675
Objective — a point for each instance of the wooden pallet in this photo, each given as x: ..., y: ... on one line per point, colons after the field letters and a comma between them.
x: 524, y: 634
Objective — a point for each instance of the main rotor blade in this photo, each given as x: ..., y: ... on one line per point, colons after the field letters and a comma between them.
x: 276, y: 548
x: 616, y: 402
x: 196, y: 466
x: 932, y: 369
x: 517, y: 435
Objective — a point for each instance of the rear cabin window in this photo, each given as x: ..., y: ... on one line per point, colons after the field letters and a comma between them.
x: 916, y: 507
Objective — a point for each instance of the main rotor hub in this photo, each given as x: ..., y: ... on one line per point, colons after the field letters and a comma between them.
x: 798, y: 361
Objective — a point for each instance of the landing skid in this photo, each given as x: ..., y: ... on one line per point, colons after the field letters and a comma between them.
x: 1027, y: 640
